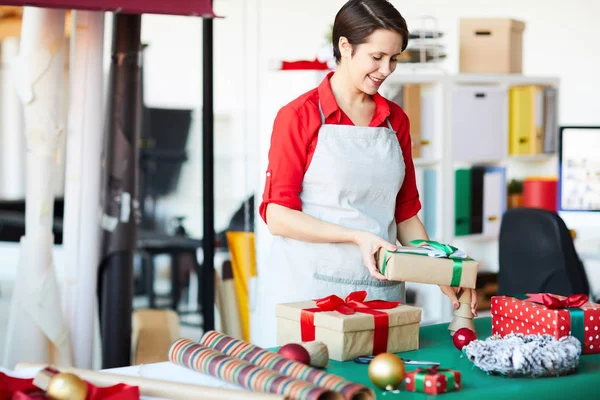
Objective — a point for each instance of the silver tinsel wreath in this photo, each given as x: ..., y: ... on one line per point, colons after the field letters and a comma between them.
x: 525, y: 355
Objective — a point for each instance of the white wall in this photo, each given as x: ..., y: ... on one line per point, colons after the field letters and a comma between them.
x: 559, y: 41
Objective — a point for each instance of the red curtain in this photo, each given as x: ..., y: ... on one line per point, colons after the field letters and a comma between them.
x: 200, y: 8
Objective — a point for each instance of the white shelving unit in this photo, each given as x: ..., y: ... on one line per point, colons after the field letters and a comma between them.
x: 445, y: 158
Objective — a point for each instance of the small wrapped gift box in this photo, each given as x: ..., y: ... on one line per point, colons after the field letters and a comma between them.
x: 548, y: 314
x: 430, y: 262
x: 432, y: 380
x: 352, y: 327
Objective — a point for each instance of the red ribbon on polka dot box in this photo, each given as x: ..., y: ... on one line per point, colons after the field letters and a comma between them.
x: 432, y: 380
x: 545, y: 313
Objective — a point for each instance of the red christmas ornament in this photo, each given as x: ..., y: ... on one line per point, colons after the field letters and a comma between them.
x: 463, y: 337
x: 295, y: 352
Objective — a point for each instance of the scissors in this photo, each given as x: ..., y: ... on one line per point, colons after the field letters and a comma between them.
x: 367, y: 360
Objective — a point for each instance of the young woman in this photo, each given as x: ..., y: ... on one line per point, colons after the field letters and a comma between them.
x: 340, y: 183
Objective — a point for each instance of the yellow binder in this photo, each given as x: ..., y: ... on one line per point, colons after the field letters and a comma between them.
x: 526, y: 120
x: 243, y: 262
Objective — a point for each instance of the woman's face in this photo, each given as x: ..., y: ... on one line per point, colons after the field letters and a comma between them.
x: 373, y: 61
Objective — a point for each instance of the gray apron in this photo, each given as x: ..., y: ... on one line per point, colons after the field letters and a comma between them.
x: 353, y: 181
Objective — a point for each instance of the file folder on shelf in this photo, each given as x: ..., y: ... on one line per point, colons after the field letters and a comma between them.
x: 420, y: 180
x: 494, y: 199
x: 427, y: 187
x: 550, y: 120
x: 526, y: 120
x: 430, y: 201
x: 477, y: 199
x: 429, y: 119
x: 462, y: 202
x: 411, y: 103
x: 409, y: 98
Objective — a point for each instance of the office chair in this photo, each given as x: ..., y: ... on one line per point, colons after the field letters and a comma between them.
x: 537, y: 255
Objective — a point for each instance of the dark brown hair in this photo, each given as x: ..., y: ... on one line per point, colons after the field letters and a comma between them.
x: 358, y: 19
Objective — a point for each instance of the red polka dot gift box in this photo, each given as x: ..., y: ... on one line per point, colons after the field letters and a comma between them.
x: 432, y: 380
x: 545, y: 313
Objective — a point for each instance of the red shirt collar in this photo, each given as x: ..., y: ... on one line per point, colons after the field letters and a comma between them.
x: 332, y: 110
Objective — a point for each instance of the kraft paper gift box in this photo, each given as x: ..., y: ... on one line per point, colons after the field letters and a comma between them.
x: 548, y: 314
x: 352, y: 327
x: 430, y: 262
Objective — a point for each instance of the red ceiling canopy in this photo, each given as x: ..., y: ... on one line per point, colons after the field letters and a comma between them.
x: 200, y: 8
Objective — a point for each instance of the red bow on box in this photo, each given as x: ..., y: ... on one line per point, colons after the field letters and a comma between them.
x: 554, y: 303
x: 355, y: 302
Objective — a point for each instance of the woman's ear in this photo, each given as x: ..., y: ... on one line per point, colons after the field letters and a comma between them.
x: 345, y: 47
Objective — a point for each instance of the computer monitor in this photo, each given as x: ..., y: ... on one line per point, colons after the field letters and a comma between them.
x: 579, y: 168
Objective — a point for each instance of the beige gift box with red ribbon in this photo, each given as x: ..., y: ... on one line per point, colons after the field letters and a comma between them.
x: 352, y: 327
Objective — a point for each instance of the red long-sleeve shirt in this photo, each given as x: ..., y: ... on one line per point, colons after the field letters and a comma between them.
x: 294, y: 139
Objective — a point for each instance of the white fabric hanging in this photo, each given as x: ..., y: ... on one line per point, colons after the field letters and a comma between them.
x: 82, y: 233
x: 12, y: 136
x: 36, y: 330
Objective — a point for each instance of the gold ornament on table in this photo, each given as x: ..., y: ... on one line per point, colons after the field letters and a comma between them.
x: 387, y: 371
x: 66, y: 386
x: 463, y: 316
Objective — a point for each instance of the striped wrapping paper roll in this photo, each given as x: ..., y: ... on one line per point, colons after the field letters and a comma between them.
x: 203, y: 359
x: 273, y: 361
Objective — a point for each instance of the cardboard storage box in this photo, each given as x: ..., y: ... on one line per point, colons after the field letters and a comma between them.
x: 349, y: 336
x: 491, y: 45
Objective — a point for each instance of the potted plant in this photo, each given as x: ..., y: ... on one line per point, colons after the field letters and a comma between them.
x: 515, y: 193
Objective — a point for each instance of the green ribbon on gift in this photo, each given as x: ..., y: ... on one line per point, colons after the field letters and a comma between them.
x: 448, y: 250
x: 577, y: 318
x: 577, y: 322
x: 420, y: 376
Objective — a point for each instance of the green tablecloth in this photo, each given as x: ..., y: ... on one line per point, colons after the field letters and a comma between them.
x: 436, y: 345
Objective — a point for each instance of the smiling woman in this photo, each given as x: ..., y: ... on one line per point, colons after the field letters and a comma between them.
x: 370, y: 35
x: 340, y: 182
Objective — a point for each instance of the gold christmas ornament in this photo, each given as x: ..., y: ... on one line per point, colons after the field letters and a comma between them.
x: 387, y: 371
x: 66, y: 386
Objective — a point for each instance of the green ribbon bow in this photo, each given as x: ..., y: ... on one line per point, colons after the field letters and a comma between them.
x: 448, y: 250
x: 420, y: 376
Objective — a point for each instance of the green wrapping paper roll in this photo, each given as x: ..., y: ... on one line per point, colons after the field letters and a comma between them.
x: 194, y: 356
x: 273, y: 361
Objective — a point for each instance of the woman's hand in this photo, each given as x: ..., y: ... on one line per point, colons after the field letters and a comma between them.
x: 369, y: 245
x: 451, y: 292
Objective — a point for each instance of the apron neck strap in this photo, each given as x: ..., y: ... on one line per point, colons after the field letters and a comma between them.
x: 387, y: 120
x: 389, y: 124
x: 321, y: 113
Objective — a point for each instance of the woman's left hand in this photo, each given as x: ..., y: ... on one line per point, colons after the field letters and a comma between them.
x: 452, y: 292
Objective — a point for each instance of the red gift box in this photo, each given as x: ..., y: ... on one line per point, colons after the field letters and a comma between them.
x: 432, y: 380
x: 544, y: 313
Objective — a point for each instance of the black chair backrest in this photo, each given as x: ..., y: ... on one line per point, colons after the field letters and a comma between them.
x: 537, y: 255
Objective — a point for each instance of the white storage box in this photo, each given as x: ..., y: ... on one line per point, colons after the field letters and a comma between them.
x: 479, y: 124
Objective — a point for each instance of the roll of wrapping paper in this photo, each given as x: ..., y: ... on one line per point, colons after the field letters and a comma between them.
x: 159, y: 388
x: 203, y: 359
x: 273, y: 361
